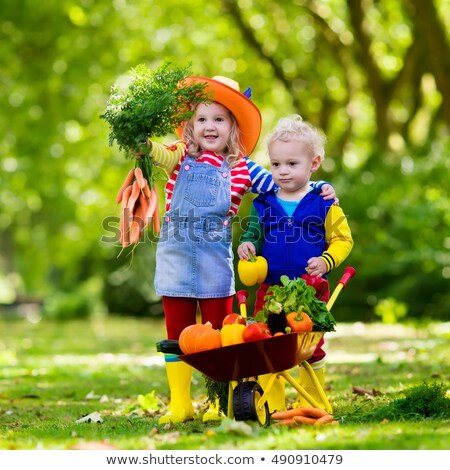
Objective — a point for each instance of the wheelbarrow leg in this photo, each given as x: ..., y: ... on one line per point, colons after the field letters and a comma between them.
x: 231, y: 386
x: 274, y: 394
x: 304, y: 393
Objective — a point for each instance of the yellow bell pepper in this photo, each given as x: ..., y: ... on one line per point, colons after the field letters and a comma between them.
x: 232, y: 334
x: 252, y: 271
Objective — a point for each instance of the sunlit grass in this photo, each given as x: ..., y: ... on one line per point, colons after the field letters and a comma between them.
x: 53, y: 374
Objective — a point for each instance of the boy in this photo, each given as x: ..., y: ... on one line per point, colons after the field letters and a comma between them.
x: 294, y: 228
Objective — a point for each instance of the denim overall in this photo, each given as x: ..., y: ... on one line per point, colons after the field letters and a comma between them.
x: 194, y: 256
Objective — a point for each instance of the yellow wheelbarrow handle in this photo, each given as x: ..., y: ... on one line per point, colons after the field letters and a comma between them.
x: 349, y: 272
x: 241, y: 297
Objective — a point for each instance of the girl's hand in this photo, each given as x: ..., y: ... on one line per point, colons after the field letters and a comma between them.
x: 243, y: 250
x: 316, y: 267
x: 328, y: 193
x: 137, y: 154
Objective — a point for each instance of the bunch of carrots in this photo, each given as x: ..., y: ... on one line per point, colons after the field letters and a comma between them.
x: 303, y: 415
x: 139, y: 205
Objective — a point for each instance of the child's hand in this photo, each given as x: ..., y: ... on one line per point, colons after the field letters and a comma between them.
x: 316, y: 267
x: 328, y: 193
x: 137, y: 154
x: 243, y: 250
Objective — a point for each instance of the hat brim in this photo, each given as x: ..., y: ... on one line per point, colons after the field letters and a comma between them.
x: 245, y: 111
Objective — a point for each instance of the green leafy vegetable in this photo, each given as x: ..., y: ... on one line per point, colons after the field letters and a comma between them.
x: 155, y: 104
x: 425, y: 401
x: 217, y: 391
x: 294, y: 295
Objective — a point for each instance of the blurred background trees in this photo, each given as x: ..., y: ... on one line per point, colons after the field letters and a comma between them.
x: 373, y: 74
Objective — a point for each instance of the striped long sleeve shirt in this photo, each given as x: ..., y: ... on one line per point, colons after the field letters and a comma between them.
x: 245, y: 176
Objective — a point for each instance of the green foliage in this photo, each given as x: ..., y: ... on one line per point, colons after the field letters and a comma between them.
x: 155, y: 105
x: 390, y: 310
x: 294, y: 295
x: 81, y: 302
x: 381, y: 99
x: 217, y: 391
x: 425, y: 401
x: 54, y: 373
x: 422, y: 401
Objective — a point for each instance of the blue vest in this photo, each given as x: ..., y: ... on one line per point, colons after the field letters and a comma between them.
x: 289, y: 241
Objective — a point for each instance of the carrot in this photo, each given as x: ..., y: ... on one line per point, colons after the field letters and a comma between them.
x: 153, y: 202
x: 304, y: 420
x: 156, y: 221
x: 126, y: 195
x: 324, y: 420
x: 133, y: 197
x: 128, y: 181
x: 122, y: 231
x: 142, y: 210
x: 125, y: 228
x: 288, y: 414
x: 135, y: 233
x: 140, y: 219
x: 146, y: 189
x: 139, y: 177
x: 312, y: 412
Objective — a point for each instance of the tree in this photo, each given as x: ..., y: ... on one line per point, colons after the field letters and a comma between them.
x: 372, y: 75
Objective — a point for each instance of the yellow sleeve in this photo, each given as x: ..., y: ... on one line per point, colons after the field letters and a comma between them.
x: 338, y: 237
x: 167, y: 156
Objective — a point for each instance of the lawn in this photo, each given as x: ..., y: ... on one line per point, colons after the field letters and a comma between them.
x: 54, y: 374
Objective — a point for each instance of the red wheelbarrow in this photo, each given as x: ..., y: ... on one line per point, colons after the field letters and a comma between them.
x: 275, y: 356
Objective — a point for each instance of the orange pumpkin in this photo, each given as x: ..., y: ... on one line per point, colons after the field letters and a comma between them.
x: 199, y: 337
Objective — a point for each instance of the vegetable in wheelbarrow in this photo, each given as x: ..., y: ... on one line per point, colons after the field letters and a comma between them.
x: 255, y: 331
x: 294, y: 295
x: 232, y: 334
x: 299, y: 322
x: 276, y: 320
x: 199, y: 337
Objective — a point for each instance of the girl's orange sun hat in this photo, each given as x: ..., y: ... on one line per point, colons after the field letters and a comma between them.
x: 226, y: 91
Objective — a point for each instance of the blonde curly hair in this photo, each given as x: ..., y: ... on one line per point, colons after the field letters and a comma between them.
x: 294, y: 128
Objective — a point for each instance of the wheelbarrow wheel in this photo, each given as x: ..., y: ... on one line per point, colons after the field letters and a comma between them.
x: 246, y: 396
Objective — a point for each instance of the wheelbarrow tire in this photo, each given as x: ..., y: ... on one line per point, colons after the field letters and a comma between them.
x: 246, y: 396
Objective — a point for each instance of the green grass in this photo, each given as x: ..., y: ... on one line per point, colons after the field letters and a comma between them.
x: 52, y: 374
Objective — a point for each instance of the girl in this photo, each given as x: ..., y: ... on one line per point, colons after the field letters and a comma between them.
x: 209, y: 173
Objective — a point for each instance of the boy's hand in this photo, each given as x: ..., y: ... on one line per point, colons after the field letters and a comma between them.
x: 316, y: 267
x: 243, y: 250
x: 328, y: 193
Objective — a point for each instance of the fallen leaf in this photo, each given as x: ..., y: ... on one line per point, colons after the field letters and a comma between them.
x: 148, y: 402
x: 90, y: 418
x: 230, y: 426
x: 364, y: 391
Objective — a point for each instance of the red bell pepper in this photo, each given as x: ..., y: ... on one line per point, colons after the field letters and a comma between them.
x: 320, y: 285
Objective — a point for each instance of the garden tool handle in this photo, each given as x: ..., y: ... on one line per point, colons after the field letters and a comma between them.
x: 241, y: 297
x: 349, y: 272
